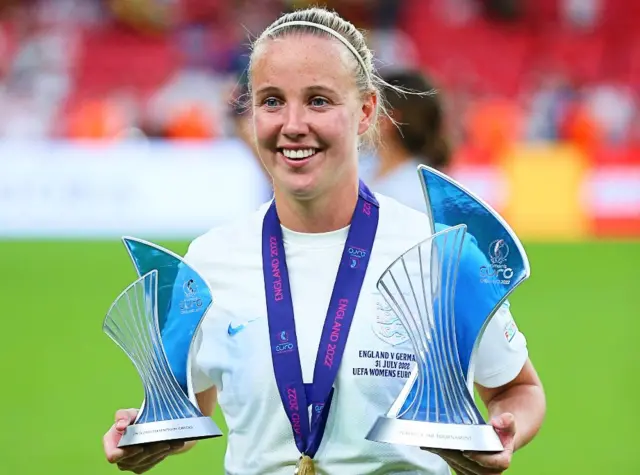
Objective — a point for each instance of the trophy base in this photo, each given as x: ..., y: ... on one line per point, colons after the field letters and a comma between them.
x: 435, y: 435
x: 166, y: 431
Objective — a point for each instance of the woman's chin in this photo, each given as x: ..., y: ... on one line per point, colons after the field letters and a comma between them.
x: 299, y: 186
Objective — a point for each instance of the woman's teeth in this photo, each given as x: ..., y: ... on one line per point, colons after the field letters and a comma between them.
x: 298, y: 154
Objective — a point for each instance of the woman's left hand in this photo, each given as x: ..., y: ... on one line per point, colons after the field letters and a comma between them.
x: 482, y: 463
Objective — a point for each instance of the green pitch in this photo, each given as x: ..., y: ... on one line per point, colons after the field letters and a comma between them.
x: 63, y: 378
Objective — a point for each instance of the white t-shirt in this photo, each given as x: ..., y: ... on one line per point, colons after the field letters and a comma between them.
x: 233, y: 348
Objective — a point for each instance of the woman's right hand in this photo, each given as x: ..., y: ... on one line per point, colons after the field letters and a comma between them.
x: 138, y: 458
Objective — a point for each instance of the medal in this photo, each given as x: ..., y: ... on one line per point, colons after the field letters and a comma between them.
x: 305, y: 466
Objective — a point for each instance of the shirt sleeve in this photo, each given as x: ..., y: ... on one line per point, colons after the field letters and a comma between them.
x: 502, y: 351
x: 200, y: 381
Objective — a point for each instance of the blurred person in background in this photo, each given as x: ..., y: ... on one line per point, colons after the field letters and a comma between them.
x: 242, y: 139
x: 413, y: 135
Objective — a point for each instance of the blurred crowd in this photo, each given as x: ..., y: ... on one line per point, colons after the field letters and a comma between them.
x: 506, y: 70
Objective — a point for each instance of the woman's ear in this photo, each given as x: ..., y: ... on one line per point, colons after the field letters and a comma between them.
x: 368, y: 112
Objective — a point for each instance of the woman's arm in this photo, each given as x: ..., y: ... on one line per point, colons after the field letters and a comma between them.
x: 516, y: 412
x: 524, y: 398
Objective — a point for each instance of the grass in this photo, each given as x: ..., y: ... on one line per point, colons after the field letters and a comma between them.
x: 64, y: 378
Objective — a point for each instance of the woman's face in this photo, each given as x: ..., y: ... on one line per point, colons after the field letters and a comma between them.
x: 308, y: 113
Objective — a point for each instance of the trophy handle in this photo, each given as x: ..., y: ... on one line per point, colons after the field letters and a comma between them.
x: 132, y: 324
x: 420, y: 289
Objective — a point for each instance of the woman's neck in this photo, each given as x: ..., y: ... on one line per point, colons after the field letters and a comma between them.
x: 390, y: 155
x: 328, y: 212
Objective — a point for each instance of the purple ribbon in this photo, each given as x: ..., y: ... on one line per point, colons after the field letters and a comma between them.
x: 296, y: 397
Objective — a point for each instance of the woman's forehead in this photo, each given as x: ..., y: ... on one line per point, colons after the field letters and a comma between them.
x: 294, y: 58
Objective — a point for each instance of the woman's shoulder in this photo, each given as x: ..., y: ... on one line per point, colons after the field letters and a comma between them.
x: 228, y: 238
x: 409, y: 226
x: 400, y: 228
x: 396, y: 217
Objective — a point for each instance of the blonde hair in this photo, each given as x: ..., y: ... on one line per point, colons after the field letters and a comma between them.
x: 322, y: 22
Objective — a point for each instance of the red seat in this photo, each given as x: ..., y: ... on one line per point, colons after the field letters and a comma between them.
x: 114, y: 58
x: 580, y: 56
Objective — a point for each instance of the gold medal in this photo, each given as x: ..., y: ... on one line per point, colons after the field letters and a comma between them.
x: 305, y: 466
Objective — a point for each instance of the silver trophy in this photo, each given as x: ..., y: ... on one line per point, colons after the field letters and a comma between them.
x: 154, y: 321
x: 445, y: 290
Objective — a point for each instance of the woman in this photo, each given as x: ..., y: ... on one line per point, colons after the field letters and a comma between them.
x: 413, y: 135
x: 315, y: 95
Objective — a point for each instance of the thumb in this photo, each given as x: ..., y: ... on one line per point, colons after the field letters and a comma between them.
x: 504, y: 422
x: 124, y: 418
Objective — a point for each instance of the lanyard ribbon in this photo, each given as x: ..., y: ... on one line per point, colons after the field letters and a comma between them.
x: 282, y: 331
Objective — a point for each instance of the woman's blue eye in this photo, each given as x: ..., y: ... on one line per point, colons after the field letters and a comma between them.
x: 319, y: 102
x: 271, y: 102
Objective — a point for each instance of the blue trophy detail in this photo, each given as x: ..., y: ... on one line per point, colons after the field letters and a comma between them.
x: 445, y: 290
x: 154, y: 321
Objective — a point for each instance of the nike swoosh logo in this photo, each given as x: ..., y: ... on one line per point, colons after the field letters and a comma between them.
x: 234, y: 330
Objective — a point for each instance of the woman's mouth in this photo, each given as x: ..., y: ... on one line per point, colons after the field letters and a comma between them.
x: 298, y: 154
x: 298, y: 157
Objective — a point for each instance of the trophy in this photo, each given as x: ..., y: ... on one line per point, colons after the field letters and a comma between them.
x: 154, y: 321
x: 445, y: 290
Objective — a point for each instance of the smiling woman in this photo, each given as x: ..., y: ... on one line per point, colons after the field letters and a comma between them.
x: 308, y: 117
x: 297, y: 387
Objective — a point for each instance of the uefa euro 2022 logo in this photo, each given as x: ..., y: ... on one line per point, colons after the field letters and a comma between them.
x: 498, y: 272
x: 191, y: 303
x: 284, y: 345
x: 355, y: 254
